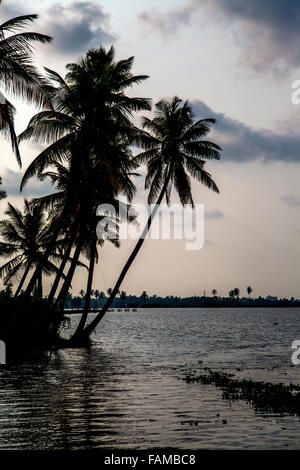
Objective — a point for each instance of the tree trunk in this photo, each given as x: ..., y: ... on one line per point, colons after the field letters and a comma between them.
x: 22, y: 280
x: 61, y: 269
x: 61, y: 299
x: 88, y: 293
x: 47, y: 252
x: 88, y: 330
x: 40, y: 287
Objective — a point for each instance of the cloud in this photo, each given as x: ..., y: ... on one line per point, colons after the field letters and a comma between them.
x: 266, y: 31
x: 241, y: 143
x: 291, y: 201
x: 77, y: 26
x: 216, y: 214
x: 167, y: 23
x: 12, y: 10
x: 11, y: 181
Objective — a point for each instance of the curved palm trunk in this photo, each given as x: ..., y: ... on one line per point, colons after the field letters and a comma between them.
x: 88, y: 293
x: 40, y: 287
x: 61, y: 299
x: 47, y: 252
x: 61, y: 269
x: 88, y: 330
x: 22, y: 280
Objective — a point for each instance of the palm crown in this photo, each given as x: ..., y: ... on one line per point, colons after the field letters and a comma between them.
x: 18, y: 75
x: 24, y: 239
x: 176, y: 150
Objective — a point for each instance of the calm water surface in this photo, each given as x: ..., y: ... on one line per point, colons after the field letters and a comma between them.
x: 127, y: 391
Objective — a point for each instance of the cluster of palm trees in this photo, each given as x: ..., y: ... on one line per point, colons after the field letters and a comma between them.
x: 86, y: 125
x: 235, y: 293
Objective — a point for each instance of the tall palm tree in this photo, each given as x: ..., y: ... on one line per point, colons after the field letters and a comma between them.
x: 214, y: 292
x: 18, y: 75
x: 112, y: 231
x: 144, y: 295
x: 231, y: 294
x: 123, y: 297
x: 174, y: 149
x: 236, y: 292
x: 87, y: 239
x: 249, y: 290
x: 24, y: 238
x: 90, y: 119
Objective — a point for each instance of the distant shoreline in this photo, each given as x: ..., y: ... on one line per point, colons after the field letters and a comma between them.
x: 130, y: 309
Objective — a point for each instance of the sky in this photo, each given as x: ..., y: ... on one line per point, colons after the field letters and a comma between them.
x: 233, y: 60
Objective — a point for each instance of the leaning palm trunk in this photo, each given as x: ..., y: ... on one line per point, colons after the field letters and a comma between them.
x: 61, y: 299
x: 88, y: 293
x: 40, y: 287
x: 61, y: 269
x: 88, y: 330
x: 45, y: 257
x: 22, y: 280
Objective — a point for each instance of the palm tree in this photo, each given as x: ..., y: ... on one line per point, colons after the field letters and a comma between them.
x: 90, y: 120
x: 214, y: 292
x: 236, y: 292
x: 82, y: 293
x: 144, y: 295
x: 25, y: 236
x: 249, y: 290
x: 231, y: 294
x: 18, y: 75
x: 123, y: 297
x: 175, y: 149
x: 99, y: 295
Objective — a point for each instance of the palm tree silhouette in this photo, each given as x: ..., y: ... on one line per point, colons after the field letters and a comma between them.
x: 90, y: 122
x: 18, y: 75
x: 144, y: 295
x: 174, y: 149
x: 25, y: 237
x: 249, y: 290
x: 236, y: 292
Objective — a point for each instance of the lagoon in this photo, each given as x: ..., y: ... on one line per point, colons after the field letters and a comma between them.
x: 127, y: 391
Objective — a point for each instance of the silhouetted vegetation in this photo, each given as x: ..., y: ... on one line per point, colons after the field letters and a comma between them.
x: 34, y: 328
x: 154, y: 301
x: 86, y: 122
x: 263, y: 396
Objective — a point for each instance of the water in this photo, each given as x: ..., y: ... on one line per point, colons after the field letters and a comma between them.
x: 127, y: 390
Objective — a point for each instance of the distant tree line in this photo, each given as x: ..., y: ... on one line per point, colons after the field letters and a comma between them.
x: 123, y: 300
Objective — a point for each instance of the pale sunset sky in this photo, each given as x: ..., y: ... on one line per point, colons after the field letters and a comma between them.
x: 234, y: 60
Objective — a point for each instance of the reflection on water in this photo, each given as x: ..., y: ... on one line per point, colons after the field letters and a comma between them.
x: 125, y: 391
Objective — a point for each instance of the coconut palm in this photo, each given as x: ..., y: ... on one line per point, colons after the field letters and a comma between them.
x: 24, y: 238
x: 83, y: 229
x: 249, y: 290
x: 174, y: 151
x: 144, y: 295
x: 123, y: 297
x: 18, y: 75
x: 236, y: 292
x: 90, y: 120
